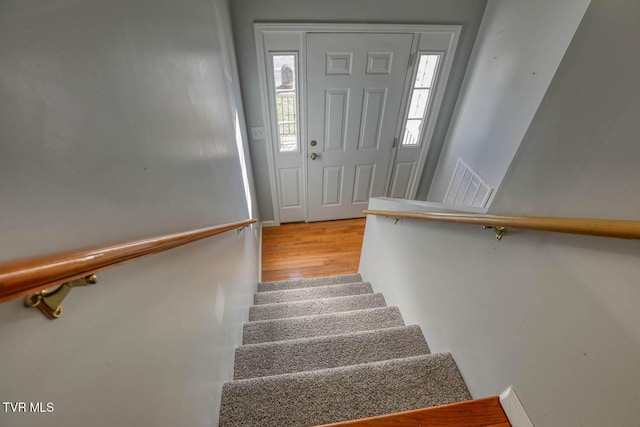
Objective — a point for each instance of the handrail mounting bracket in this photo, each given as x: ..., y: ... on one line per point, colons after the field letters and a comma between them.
x: 49, y: 302
x: 498, y: 230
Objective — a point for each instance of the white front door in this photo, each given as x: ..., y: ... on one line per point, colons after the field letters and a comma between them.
x: 335, y: 92
x: 354, y: 87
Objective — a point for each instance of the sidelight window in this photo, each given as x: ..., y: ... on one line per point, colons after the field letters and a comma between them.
x: 286, y: 96
x: 420, y: 99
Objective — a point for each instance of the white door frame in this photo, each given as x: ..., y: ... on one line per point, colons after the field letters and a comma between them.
x: 449, y: 34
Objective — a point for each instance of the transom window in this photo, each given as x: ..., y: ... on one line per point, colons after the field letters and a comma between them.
x: 420, y: 97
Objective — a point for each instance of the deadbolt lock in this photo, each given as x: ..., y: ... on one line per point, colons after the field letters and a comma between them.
x: 314, y: 142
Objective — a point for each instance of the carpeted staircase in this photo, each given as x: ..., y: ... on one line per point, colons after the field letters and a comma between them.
x: 323, y: 350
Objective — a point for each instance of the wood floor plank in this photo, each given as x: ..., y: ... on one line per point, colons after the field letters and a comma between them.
x: 485, y: 412
x: 299, y: 250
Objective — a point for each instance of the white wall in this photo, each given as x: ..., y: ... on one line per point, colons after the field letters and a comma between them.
x: 518, y: 49
x: 553, y: 315
x: 580, y: 154
x: 246, y: 12
x: 116, y: 122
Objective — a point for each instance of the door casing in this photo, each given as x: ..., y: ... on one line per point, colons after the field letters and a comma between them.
x: 291, y: 37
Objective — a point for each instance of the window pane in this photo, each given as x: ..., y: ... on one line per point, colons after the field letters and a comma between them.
x: 284, y: 72
x: 412, y: 132
x: 418, y: 106
x: 426, y: 70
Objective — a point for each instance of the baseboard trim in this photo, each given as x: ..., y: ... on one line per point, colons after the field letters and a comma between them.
x: 260, y: 252
x: 513, y: 408
x: 265, y: 224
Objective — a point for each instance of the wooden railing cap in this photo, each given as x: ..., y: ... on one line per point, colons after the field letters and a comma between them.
x: 623, y: 229
x: 23, y: 276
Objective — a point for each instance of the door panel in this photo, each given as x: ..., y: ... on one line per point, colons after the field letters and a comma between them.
x: 401, y: 179
x: 336, y: 119
x: 372, y: 116
x: 362, y: 184
x: 354, y: 87
x: 332, y: 186
x: 291, y: 184
x: 339, y: 63
x: 379, y: 62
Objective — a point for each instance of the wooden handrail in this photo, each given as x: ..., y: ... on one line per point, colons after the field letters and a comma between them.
x: 590, y: 227
x: 23, y: 276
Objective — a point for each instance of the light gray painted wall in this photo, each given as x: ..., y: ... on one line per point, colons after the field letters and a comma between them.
x: 556, y: 316
x: 518, y: 49
x: 245, y: 12
x: 117, y: 122
x: 553, y: 315
x: 580, y: 154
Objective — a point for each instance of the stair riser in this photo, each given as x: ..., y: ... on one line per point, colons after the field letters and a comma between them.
x: 323, y: 325
x: 306, y: 294
x: 305, y: 283
x: 318, y: 306
x: 311, y: 354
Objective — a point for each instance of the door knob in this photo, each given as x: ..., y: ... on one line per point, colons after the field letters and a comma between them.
x: 313, y: 156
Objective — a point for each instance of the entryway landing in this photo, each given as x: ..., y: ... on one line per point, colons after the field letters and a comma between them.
x: 301, y: 250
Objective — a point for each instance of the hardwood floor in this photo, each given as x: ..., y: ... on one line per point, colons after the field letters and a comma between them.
x: 485, y: 412
x: 298, y: 250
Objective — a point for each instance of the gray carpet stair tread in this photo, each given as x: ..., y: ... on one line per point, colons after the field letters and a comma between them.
x: 321, y: 325
x: 345, y: 393
x: 303, y: 294
x: 315, y: 306
x: 309, y: 354
x: 310, y: 282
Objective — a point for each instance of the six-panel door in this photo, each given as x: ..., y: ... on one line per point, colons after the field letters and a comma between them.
x: 354, y: 91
